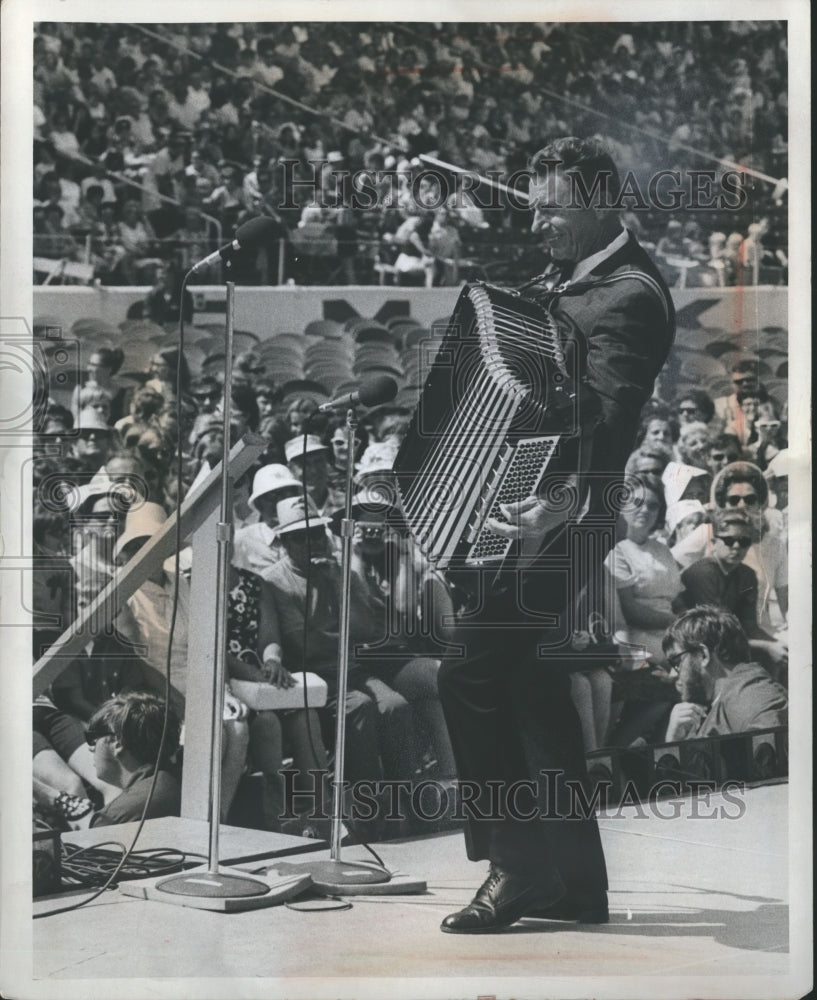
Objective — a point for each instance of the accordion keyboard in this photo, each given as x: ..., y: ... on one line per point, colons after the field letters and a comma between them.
x: 517, y: 477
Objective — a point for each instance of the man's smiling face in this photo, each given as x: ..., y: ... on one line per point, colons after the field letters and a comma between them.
x: 569, y: 231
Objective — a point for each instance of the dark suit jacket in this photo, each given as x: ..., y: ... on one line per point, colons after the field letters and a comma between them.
x: 621, y: 322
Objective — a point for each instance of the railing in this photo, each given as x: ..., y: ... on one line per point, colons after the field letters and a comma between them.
x: 652, y: 771
x: 319, y: 257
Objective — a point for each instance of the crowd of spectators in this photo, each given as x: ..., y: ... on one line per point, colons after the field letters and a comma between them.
x: 152, y: 143
x: 704, y: 525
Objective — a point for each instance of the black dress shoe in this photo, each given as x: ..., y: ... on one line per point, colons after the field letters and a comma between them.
x: 500, y: 901
x: 580, y: 907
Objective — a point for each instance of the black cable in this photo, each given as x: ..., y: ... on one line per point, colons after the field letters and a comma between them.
x: 96, y: 862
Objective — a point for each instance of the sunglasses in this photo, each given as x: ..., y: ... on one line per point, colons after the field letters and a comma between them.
x: 687, y: 409
x: 732, y: 541
x: 207, y: 395
x: 748, y: 501
x: 93, y: 735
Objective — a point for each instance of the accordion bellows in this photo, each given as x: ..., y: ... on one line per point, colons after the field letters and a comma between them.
x: 498, y: 398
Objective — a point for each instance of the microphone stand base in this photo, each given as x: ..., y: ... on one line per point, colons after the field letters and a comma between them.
x: 227, y: 891
x: 350, y: 878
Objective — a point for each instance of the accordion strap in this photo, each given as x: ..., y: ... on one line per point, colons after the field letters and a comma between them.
x: 580, y: 287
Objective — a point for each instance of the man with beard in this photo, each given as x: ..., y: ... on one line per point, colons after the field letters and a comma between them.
x: 722, y: 691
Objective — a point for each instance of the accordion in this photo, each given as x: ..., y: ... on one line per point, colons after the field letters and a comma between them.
x: 498, y: 399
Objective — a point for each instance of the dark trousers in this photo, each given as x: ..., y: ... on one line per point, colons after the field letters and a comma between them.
x: 510, y: 717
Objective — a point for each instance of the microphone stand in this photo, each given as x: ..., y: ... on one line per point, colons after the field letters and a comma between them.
x: 335, y: 876
x: 202, y: 886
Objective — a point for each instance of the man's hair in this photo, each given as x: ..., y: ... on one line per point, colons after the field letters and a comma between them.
x: 110, y: 357
x: 136, y: 720
x: 702, y: 400
x: 717, y: 629
x: 54, y: 411
x: 589, y: 158
x: 760, y: 394
x: 244, y: 401
x: 726, y: 442
x: 740, y: 472
x: 730, y: 518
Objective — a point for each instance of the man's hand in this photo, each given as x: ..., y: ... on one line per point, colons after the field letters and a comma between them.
x: 529, y: 520
x: 684, y: 720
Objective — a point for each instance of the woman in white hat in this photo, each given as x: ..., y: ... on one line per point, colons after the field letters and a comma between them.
x: 379, y: 723
x: 256, y: 546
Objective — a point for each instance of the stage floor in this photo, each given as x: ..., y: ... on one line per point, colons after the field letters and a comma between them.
x: 695, y: 900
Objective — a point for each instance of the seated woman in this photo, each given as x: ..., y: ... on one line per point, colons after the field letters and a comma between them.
x: 645, y: 577
x: 271, y: 731
x: 413, y: 607
x: 693, y: 444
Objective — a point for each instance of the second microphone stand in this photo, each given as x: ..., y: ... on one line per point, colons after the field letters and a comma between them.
x: 335, y: 876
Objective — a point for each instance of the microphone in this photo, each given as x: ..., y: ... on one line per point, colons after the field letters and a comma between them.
x: 249, y: 234
x: 372, y: 393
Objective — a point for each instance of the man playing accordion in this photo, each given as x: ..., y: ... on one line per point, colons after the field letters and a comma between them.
x: 505, y: 687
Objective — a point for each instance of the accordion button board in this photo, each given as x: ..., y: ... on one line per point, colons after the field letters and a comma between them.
x: 496, y: 401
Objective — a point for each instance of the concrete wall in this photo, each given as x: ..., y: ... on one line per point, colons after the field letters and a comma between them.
x: 287, y: 309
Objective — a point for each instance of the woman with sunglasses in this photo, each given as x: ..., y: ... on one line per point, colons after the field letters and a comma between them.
x: 740, y: 486
x: 695, y: 406
x: 770, y: 435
